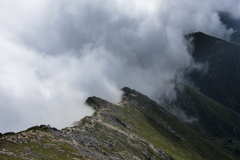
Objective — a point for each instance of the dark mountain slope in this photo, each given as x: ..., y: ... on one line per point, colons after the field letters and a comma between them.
x: 235, y: 38
x: 135, y: 128
x: 222, y: 81
x: 212, y: 120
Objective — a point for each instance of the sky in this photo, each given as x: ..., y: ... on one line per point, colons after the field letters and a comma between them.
x: 54, y: 54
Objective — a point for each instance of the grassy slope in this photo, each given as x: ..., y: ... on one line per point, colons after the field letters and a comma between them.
x: 155, y: 125
x: 39, y: 144
x: 136, y: 127
x: 215, y: 121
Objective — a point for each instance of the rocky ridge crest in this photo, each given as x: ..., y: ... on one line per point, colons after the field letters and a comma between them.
x: 135, y: 128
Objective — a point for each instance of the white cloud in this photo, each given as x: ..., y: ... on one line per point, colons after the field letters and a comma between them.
x: 54, y: 54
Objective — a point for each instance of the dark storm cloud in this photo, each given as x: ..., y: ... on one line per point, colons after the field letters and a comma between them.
x: 54, y: 54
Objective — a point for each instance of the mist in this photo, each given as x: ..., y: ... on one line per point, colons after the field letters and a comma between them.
x: 56, y: 53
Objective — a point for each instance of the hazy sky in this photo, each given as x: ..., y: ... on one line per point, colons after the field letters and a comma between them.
x: 56, y: 53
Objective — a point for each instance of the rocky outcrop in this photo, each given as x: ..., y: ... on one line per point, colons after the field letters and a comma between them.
x: 135, y: 128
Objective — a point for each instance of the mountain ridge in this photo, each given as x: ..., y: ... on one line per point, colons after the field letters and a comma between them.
x: 135, y: 128
x: 140, y: 128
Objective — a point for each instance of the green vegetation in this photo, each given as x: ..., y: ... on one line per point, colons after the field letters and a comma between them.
x: 135, y: 128
x: 34, y: 128
x: 214, y: 121
x: 8, y: 133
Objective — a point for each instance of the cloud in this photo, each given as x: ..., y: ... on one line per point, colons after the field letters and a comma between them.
x: 54, y: 54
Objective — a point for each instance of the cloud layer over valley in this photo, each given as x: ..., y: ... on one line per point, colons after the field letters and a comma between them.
x: 56, y: 53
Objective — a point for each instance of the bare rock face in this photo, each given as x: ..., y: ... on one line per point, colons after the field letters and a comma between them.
x: 136, y: 128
